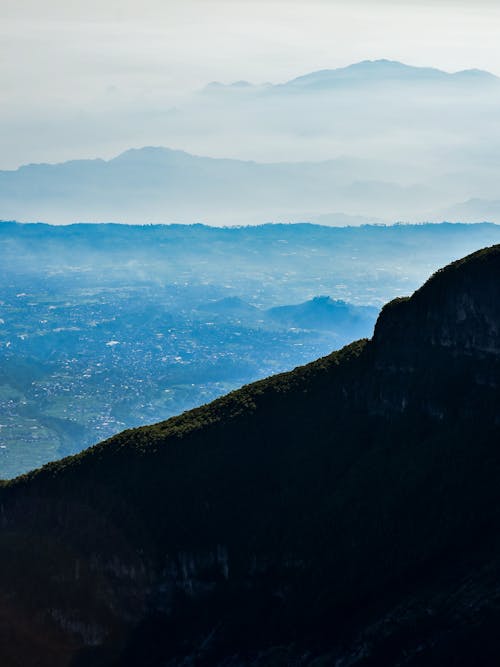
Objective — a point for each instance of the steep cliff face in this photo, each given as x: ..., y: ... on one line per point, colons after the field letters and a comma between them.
x: 458, y: 309
x: 439, y: 351
x: 346, y: 513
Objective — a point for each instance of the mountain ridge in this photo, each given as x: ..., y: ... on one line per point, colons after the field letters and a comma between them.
x: 328, y: 509
x: 157, y: 183
x: 381, y: 69
x: 160, y: 184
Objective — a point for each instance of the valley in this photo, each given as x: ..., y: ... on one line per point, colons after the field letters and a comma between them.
x: 109, y: 327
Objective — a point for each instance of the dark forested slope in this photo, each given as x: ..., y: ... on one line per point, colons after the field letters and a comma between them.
x: 346, y: 513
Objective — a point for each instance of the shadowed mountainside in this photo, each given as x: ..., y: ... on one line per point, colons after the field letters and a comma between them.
x: 345, y: 513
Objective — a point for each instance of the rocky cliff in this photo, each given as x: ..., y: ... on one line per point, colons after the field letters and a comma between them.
x: 346, y: 513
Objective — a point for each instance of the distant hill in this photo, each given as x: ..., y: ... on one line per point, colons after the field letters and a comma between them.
x: 155, y: 184
x: 345, y: 513
x: 324, y: 313
x: 321, y: 313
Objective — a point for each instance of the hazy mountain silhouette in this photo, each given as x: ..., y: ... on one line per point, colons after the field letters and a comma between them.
x: 157, y: 184
x: 367, y: 72
x: 387, y: 71
x: 377, y: 140
x: 324, y: 313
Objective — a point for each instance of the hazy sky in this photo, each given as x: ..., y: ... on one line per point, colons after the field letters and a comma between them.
x: 68, y: 67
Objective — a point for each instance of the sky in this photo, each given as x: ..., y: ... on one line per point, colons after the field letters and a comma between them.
x: 77, y: 79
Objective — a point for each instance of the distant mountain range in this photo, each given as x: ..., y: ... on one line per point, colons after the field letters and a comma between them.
x: 378, y: 72
x: 345, y: 513
x: 408, y: 143
x: 378, y: 140
x: 156, y: 184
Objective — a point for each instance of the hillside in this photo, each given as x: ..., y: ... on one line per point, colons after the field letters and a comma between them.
x: 345, y: 513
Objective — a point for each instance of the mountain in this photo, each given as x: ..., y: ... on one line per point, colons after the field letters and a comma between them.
x: 346, y: 513
x: 366, y: 72
x: 386, y: 71
x: 164, y: 185
x: 292, y: 151
x: 381, y: 122
x: 434, y: 129
x: 324, y: 313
